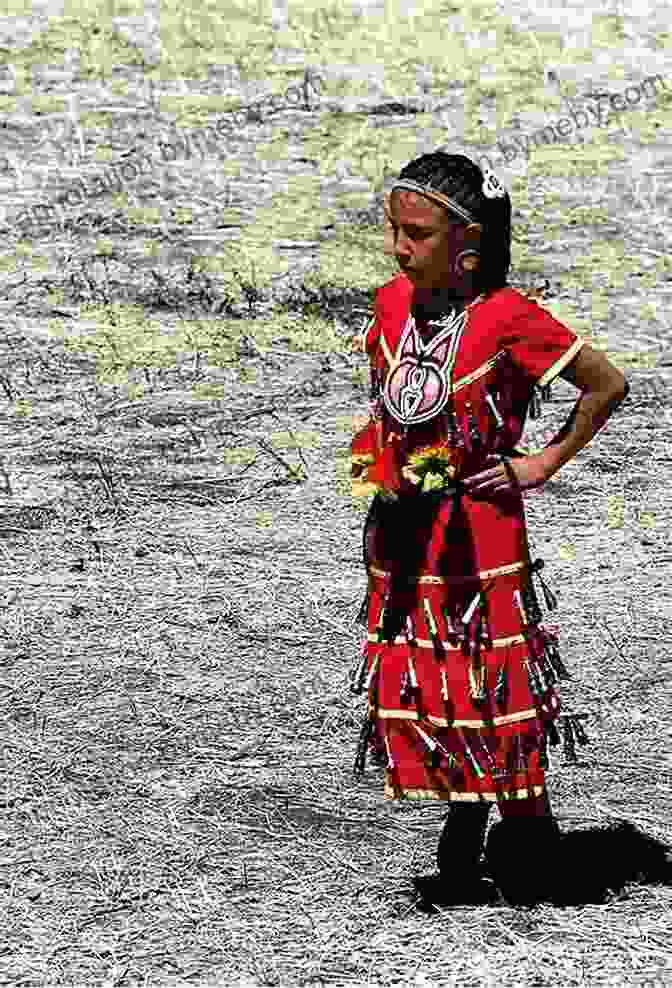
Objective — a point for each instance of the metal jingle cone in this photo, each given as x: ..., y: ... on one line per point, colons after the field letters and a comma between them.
x: 380, y: 626
x: 453, y: 635
x: 519, y: 759
x: 547, y: 671
x: 473, y: 761
x: 501, y: 687
x: 536, y: 688
x: 411, y: 636
x: 363, y: 612
x: 358, y: 678
x: 579, y: 731
x: 477, y: 685
x: 475, y: 437
x: 549, y: 597
x: 365, y: 735
x: 552, y: 733
x: 488, y: 755
x: 568, y: 744
x: 531, y: 603
x: 485, y: 630
x: 492, y: 405
x: 555, y: 660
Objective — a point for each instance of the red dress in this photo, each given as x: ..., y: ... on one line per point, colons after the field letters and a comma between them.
x: 459, y: 666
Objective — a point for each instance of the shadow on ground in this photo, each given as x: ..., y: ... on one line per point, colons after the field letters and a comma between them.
x: 594, y: 864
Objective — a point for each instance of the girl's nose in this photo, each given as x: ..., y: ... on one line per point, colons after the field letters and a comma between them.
x: 402, y: 245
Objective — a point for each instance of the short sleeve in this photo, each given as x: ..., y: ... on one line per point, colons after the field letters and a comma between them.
x: 538, y: 343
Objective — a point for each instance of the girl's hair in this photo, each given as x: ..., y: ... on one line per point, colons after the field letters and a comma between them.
x: 461, y: 179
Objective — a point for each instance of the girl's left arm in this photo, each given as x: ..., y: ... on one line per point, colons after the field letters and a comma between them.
x: 603, y: 387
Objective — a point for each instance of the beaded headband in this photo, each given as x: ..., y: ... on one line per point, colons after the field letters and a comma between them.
x: 440, y: 197
x: 492, y: 188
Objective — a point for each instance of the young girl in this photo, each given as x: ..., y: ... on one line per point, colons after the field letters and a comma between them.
x: 459, y: 665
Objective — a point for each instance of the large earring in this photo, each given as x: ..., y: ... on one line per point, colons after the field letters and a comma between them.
x: 467, y: 261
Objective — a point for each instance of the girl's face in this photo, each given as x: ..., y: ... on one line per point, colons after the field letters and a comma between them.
x: 426, y: 244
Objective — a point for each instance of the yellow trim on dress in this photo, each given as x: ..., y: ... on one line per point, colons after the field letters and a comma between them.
x: 484, y: 574
x: 479, y: 372
x: 384, y: 714
x: 393, y: 791
x: 448, y: 647
x: 561, y: 362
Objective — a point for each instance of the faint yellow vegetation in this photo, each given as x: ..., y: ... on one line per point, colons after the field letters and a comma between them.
x: 633, y: 358
x: 345, y: 423
x: 195, y: 109
x: 600, y: 307
x: 24, y: 256
x: 23, y: 407
x: 567, y: 551
x: 615, y: 511
x: 125, y: 340
x: 359, y: 376
x: 211, y: 391
x: 97, y: 119
x: 47, y: 104
x: 135, y: 391
x: 104, y: 152
x: 183, y: 214
x: 89, y: 31
x: 145, y: 215
x: 647, y: 519
x: 239, y: 456
x: 264, y: 519
x: 296, y: 440
x: 559, y: 161
x: 104, y: 247
x: 56, y: 296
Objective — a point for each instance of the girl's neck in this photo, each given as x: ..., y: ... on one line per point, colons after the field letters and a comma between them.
x: 432, y: 305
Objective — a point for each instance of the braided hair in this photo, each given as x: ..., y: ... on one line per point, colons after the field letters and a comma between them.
x: 460, y: 178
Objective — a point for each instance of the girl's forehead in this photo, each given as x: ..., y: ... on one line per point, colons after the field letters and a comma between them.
x: 411, y: 206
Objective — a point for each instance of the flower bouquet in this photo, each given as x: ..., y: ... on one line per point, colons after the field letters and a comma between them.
x: 375, y: 462
x: 434, y: 469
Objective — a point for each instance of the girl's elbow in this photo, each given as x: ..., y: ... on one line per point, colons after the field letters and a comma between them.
x: 623, y: 389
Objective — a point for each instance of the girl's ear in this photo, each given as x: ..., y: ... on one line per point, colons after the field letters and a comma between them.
x: 473, y: 233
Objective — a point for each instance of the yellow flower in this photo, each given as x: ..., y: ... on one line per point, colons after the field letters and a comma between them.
x: 432, y: 482
x: 409, y: 474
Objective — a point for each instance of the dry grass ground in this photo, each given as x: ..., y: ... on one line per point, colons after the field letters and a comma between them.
x: 180, y: 554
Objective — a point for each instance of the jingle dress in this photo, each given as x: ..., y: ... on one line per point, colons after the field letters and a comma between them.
x: 458, y: 665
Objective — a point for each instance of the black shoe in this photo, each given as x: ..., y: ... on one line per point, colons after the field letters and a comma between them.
x: 461, y: 842
x: 433, y: 893
x: 523, y: 857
